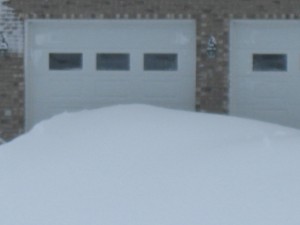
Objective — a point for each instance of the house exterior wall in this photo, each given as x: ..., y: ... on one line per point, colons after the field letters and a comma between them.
x: 212, y: 18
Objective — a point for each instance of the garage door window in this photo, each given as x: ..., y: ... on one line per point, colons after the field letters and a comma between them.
x: 269, y: 62
x: 65, y: 61
x: 113, y: 61
x: 160, y: 62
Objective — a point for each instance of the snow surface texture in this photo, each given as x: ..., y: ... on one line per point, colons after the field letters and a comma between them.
x: 142, y: 165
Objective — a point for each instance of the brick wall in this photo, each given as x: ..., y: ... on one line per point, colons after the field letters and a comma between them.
x: 11, y: 96
x: 212, y: 17
x: 11, y: 75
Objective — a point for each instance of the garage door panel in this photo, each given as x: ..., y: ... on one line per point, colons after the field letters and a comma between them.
x: 270, y: 103
x: 169, y: 34
x: 113, y: 89
x: 104, y: 64
x: 258, y: 87
x: 161, y: 89
x: 266, y: 115
x: 249, y: 33
x: 53, y: 108
x: 243, y: 62
x: 270, y: 92
x: 54, y: 88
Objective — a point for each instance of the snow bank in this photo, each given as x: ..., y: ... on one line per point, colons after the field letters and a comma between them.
x: 142, y: 165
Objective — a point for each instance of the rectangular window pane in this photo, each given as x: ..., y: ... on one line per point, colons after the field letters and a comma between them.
x: 113, y: 61
x: 160, y: 62
x: 65, y: 61
x: 269, y: 62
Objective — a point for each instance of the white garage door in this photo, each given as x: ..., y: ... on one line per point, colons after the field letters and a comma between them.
x: 265, y: 70
x: 82, y: 64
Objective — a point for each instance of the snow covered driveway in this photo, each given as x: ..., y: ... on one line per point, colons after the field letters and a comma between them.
x: 143, y: 165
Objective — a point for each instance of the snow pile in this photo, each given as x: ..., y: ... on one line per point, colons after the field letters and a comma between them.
x: 142, y: 165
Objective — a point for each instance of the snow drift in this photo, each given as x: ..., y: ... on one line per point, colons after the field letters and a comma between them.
x: 142, y: 165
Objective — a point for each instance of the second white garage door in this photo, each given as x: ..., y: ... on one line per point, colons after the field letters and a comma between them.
x: 265, y: 70
x: 73, y: 65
